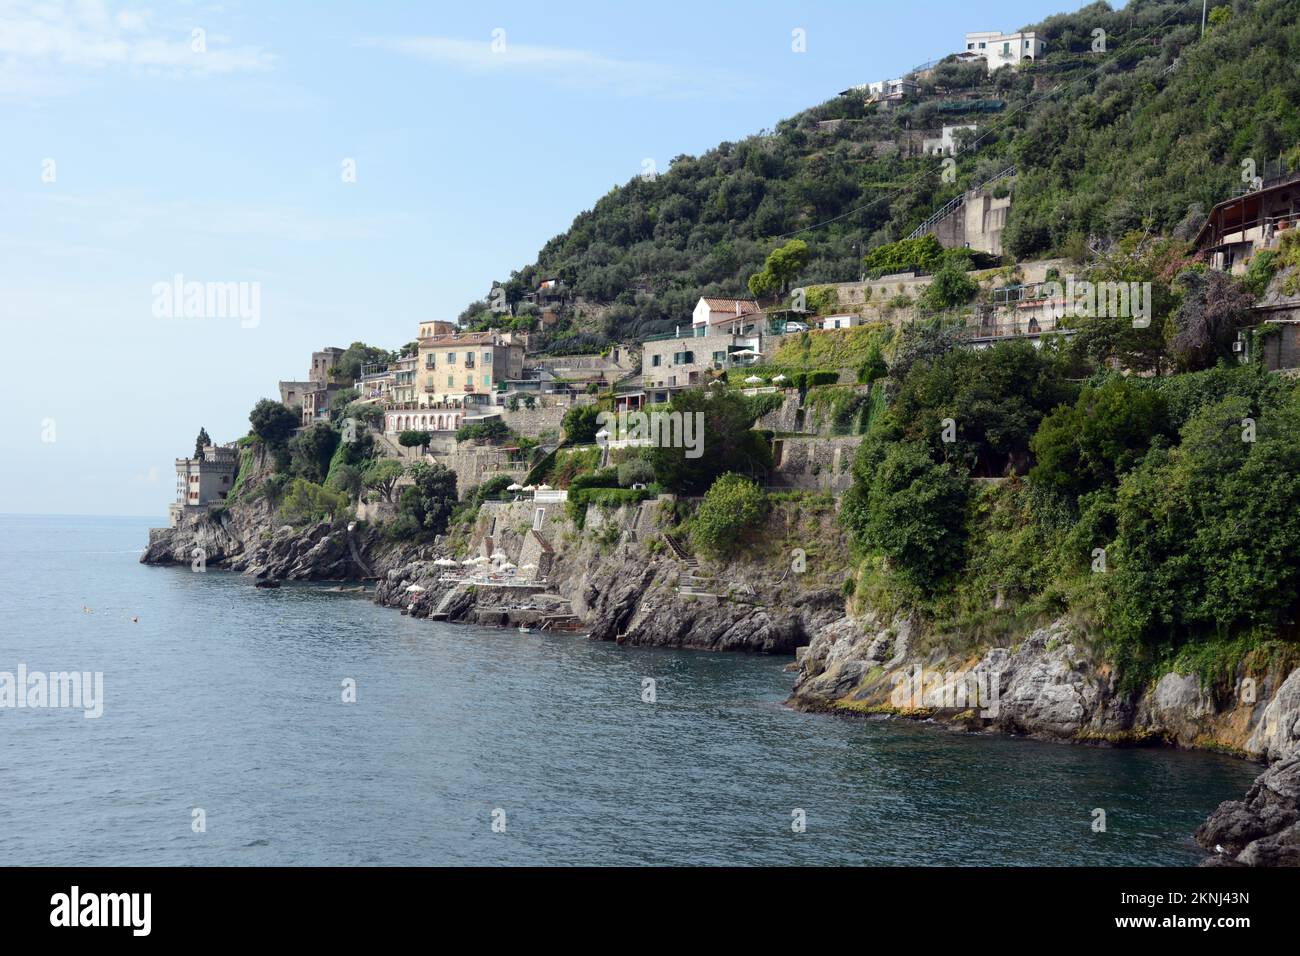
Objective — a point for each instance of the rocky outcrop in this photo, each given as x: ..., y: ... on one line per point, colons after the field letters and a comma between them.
x: 1050, y: 684
x: 1264, y: 828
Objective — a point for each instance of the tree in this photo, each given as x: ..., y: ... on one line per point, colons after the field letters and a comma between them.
x: 273, y: 423
x: 733, y: 508
x: 414, y: 439
x: 348, y: 367
x: 580, y: 424
x: 1091, y: 444
x: 721, y: 430
x: 203, y: 441
x: 311, y: 450
x: 782, y: 265
x: 382, y: 476
x: 346, y: 478
x: 914, y: 515
x: 431, y: 497
x: 951, y: 285
x: 1207, y: 319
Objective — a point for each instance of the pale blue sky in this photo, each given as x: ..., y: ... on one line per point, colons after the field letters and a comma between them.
x: 225, y: 166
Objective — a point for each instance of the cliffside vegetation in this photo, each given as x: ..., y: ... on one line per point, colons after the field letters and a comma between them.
x: 1145, y: 135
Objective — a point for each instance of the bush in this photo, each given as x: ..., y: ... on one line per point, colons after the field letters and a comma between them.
x: 306, y: 502
x: 493, y: 430
x: 913, y: 512
x: 635, y: 471
x: 732, y: 510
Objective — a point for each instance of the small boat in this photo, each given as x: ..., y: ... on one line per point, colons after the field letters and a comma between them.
x: 525, y: 629
x: 267, y: 583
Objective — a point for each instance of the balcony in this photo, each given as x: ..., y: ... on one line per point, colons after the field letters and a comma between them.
x: 430, y: 389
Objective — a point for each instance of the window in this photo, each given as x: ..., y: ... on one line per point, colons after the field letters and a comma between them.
x: 432, y: 361
x: 451, y: 358
x: 1006, y: 49
x: 719, y: 356
x: 487, y: 358
x: 450, y: 381
x: 981, y: 46
x: 656, y: 361
x: 487, y: 378
x: 970, y: 46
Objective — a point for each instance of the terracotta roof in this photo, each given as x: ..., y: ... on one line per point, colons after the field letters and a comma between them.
x: 729, y: 305
x: 467, y: 338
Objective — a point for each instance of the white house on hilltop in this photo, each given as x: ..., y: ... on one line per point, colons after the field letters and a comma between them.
x: 1004, y: 49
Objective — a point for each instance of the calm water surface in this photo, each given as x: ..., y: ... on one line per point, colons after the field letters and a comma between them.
x: 228, y: 699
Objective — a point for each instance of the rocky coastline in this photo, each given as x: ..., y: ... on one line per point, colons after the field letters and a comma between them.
x: 612, y: 580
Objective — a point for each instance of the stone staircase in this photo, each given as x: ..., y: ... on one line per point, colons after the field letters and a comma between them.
x: 689, y: 581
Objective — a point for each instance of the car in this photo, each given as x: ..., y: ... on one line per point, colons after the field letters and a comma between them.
x: 795, y: 327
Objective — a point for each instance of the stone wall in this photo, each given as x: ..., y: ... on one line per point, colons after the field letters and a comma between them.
x: 814, y: 462
x: 533, y: 421
x: 803, y: 418
x: 475, y: 464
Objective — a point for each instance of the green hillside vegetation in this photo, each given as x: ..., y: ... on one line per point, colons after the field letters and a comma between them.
x: 1145, y: 136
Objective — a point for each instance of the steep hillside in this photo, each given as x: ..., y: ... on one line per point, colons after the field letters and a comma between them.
x: 1105, y: 142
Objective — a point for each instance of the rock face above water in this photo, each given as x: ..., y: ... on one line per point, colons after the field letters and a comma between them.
x: 1264, y: 828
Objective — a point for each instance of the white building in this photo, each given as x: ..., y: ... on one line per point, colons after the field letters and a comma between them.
x: 1004, y: 49
x: 946, y: 144
x: 843, y: 320
x: 891, y: 91
x: 711, y: 312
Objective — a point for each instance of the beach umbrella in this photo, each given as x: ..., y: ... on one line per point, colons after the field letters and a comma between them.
x: 507, y: 566
x: 414, y: 588
x: 529, y: 567
x: 530, y: 488
x: 445, y: 563
x: 779, y: 378
x: 753, y: 380
x: 717, y: 381
x: 515, y: 487
x: 543, y: 487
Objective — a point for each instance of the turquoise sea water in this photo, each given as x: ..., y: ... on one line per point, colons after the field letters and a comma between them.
x: 229, y: 700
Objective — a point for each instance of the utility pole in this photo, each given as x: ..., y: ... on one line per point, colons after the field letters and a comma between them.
x: 1203, y: 5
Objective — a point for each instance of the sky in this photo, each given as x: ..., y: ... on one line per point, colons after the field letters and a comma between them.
x: 359, y: 167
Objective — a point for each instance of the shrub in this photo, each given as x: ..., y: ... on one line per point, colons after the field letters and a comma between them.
x: 493, y: 430
x: 732, y: 510
x: 635, y: 471
x: 306, y: 502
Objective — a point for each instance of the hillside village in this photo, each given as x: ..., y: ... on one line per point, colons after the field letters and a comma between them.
x: 1076, y: 470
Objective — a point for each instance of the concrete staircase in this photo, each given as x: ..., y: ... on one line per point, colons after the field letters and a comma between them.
x: 689, y: 581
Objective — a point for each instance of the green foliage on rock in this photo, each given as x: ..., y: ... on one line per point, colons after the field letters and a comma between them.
x: 732, y: 510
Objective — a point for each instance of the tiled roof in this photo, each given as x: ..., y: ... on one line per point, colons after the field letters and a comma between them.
x: 467, y: 338
x: 729, y: 305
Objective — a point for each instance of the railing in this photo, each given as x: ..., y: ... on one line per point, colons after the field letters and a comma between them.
x: 956, y: 203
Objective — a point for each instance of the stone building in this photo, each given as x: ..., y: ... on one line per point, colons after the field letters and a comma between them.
x: 205, y: 481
